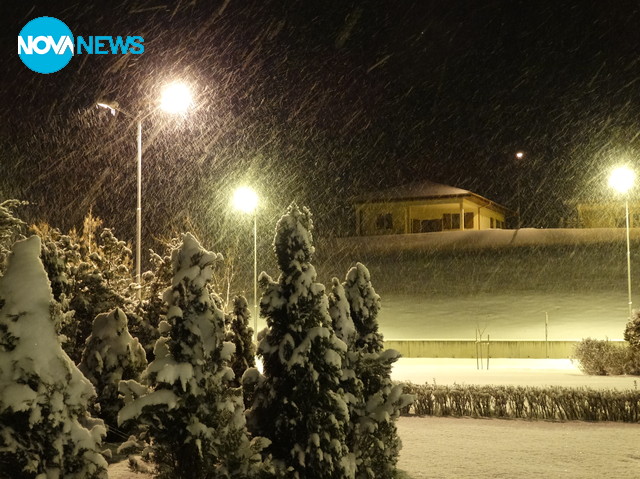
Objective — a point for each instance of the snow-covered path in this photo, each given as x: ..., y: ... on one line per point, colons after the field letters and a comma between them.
x: 491, y: 448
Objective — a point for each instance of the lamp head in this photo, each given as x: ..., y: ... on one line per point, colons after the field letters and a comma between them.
x: 622, y: 178
x: 245, y: 199
x: 176, y: 98
x: 112, y: 106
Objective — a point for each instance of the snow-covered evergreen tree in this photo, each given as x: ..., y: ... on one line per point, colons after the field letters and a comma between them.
x: 152, y: 309
x: 241, y: 335
x: 632, y: 331
x: 89, y: 275
x: 110, y: 356
x: 46, y: 430
x: 299, y: 405
x: 350, y: 382
x: 11, y: 228
x: 194, y: 418
x: 377, y: 441
x: 364, y: 305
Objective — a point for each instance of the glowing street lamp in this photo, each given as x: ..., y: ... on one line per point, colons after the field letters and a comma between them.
x: 621, y: 180
x: 176, y: 98
x: 245, y: 200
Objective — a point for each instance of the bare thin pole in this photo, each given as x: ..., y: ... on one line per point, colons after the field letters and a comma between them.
x: 139, y: 210
x: 255, y: 275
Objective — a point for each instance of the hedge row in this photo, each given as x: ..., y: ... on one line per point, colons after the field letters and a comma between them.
x: 551, y: 403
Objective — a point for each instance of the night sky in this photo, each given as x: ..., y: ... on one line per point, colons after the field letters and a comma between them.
x: 320, y: 101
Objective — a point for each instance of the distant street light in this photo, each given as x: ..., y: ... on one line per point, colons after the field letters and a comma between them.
x: 176, y: 98
x: 246, y: 200
x: 519, y: 156
x: 621, y: 179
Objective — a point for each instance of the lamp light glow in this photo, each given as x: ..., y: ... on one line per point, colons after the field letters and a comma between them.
x: 176, y: 98
x: 245, y: 199
x: 621, y: 179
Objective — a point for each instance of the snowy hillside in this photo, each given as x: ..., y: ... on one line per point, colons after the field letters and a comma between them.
x: 477, y: 240
x: 444, y: 285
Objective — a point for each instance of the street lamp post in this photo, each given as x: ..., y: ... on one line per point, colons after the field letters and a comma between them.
x: 176, y: 98
x: 519, y: 156
x: 621, y: 180
x: 246, y: 200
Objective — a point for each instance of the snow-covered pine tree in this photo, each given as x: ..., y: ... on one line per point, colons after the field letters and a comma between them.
x: 111, y: 355
x: 194, y: 418
x: 632, y: 331
x: 115, y: 261
x: 78, y: 282
x: 11, y: 227
x: 298, y: 405
x: 46, y: 429
x: 377, y: 441
x: 152, y: 309
x: 241, y: 335
x: 364, y: 305
x: 350, y: 382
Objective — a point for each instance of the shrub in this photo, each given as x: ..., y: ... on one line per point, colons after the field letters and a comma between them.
x: 601, y: 358
x: 632, y: 331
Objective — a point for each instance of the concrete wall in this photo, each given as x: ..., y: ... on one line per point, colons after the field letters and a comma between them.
x: 497, y: 349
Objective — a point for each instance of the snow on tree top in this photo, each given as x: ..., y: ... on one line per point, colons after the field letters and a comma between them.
x: 340, y: 313
x: 293, y: 242
x: 359, y: 289
x: 183, y: 261
x: 25, y: 275
x: 25, y: 299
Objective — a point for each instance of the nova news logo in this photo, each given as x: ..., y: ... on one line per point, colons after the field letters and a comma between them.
x: 46, y: 45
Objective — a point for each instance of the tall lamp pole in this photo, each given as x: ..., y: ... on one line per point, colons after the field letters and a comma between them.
x: 139, y: 210
x: 245, y: 199
x: 621, y: 179
x: 176, y: 98
x: 519, y: 156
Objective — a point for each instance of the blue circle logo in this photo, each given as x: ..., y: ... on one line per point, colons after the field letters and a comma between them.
x: 45, y: 45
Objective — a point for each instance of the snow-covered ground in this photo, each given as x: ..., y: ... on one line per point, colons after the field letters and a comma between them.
x: 516, y: 372
x: 481, y: 448
x: 493, y: 448
x: 489, y: 448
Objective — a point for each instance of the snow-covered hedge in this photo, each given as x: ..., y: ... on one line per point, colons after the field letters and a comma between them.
x: 520, y: 402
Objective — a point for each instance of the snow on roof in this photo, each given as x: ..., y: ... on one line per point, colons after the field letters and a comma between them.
x: 422, y: 189
x: 426, y: 190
